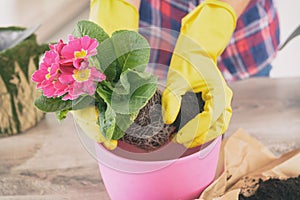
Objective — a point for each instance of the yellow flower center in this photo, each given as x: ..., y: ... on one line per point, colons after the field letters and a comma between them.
x: 48, y: 75
x: 82, y: 75
x: 80, y: 54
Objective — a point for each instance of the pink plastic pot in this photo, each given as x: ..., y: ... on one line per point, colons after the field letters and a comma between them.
x: 182, y: 178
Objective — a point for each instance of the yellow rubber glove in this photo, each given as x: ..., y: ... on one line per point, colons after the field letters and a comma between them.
x: 113, y: 15
x: 87, y: 120
x: 204, y: 35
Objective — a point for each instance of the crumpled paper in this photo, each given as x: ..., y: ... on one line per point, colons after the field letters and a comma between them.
x: 243, y: 161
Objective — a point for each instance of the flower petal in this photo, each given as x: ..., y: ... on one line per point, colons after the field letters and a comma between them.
x: 66, y: 78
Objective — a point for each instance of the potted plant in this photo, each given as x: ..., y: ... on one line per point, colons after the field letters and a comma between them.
x: 102, y: 81
x: 19, y: 55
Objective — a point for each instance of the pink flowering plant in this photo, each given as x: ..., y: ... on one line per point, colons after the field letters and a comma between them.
x: 93, y: 69
x: 65, y: 70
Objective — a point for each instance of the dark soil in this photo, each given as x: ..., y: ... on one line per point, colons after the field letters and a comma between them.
x: 276, y: 189
x: 149, y: 132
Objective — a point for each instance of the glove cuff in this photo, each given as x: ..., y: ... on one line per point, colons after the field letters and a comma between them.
x: 222, y: 4
x: 210, y: 25
x: 113, y: 15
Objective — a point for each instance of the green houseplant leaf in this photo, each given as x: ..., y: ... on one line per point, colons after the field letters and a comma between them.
x: 90, y: 29
x: 107, y: 59
x: 124, y: 50
x: 57, y: 104
x: 122, y: 124
x: 132, y: 50
x: 121, y: 104
x: 107, y: 121
x: 133, y: 91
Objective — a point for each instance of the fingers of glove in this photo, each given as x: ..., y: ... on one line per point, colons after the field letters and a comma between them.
x: 177, y: 85
x: 209, y: 124
x: 87, y: 120
x: 111, y: 144
x: 197, y: 126
x: 170, y: 106
x: 217, y: 129
x: 92, y: 130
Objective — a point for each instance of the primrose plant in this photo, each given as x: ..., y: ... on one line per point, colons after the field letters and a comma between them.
x: 95, y: 70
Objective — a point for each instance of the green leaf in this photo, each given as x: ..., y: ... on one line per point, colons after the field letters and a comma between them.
x: 52, y: 104
x: 132, y: 50
x: 57, y: 104
x: 107, y: 59
x: 133, y: 91
x: 60, y: 115
x: 90, y: 29
x: 105, y: 90
x: 107, y: 121
x: 124, y: 50
x: 82, y: 102
x: 118, y: 133
x: 113, y: 124
x: 122, y: 124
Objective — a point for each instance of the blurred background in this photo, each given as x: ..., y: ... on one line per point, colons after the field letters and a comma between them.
x: 57, y: 19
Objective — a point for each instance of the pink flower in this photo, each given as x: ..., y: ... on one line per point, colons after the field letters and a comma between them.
x: 81, y: 81
x: 57, y: 47
x: 65, y: 70
x: 48, y: 72
x: 78, y: 49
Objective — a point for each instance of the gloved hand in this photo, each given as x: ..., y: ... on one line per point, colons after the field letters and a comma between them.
x: 111, y: 15
x: 204, y: 35
x: 87, y: 119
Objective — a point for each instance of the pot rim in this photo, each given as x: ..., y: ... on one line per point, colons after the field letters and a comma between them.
x: 109, y: 159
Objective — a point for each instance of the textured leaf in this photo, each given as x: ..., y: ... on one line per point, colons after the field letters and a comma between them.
x: 107, y: 59
x: 90, y: 29
x: 118, y: 133
x: 124, y: 50
x: 83, y: 102
x: 107, y: 121
x: 57, y: 104
x: 132, y: 50
x: 133, y: 91
x: 51, y: 104
x: 122, y: 124
x: 104, y: 90
x: 121, y: 104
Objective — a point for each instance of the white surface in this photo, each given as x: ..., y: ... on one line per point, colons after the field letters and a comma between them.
x: 287, y: 64
x: 53, y: 16
x: 59, y: 17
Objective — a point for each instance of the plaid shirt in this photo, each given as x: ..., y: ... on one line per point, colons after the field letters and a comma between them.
x: 252, y: 47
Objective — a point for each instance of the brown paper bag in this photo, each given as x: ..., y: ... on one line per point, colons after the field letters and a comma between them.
x: 245, y: 160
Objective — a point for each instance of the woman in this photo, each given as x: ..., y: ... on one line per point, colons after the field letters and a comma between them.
x: 240, y: 37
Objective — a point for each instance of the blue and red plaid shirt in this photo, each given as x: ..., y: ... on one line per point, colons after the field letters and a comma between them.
x: 252, y: 47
